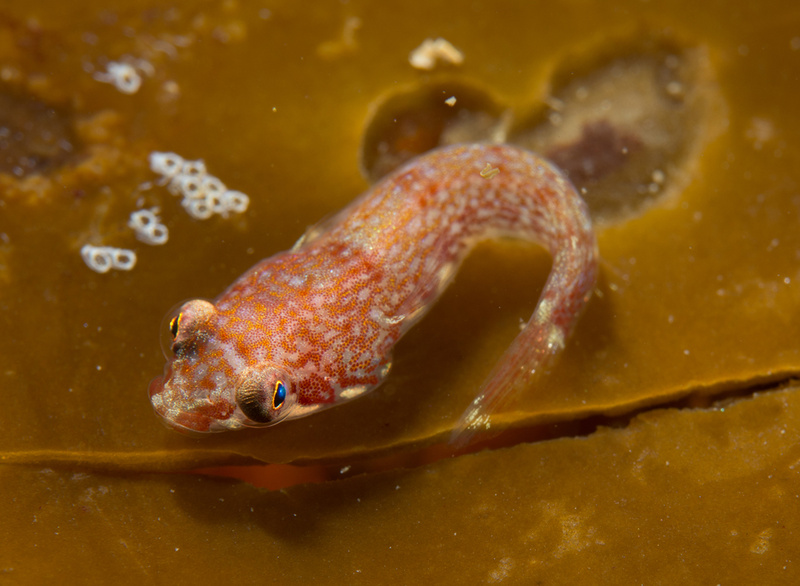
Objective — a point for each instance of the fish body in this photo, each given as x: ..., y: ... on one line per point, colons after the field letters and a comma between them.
x: 313, y: 327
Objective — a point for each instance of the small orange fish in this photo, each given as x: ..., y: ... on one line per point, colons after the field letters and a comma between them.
x: 313, y: 327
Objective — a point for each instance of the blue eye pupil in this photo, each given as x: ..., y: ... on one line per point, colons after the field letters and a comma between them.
x: 278, y: 395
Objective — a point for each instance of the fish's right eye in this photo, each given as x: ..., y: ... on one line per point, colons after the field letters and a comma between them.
x: 175, y: 324
x: 184, y: 325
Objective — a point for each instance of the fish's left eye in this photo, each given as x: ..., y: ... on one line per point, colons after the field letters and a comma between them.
x: 278, y: 395
x: 264, y: 394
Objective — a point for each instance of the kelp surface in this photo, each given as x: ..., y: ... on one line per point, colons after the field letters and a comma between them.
x: 670, y: 420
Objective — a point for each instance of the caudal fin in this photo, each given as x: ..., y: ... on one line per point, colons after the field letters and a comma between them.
x: 530, y: 355
x: 535, y: 349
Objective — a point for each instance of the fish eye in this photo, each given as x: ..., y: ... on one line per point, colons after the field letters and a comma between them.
x: 251, y: 400
x: 278, y: 395
x: 175, y: 324
x: 264, y: 393
x: 171, y: 326
x: 184, y: 325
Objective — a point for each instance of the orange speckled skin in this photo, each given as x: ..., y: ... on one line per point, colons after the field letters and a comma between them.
x: 323, y: 317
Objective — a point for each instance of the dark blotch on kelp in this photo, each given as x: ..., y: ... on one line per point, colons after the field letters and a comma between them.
x: 34, y: 136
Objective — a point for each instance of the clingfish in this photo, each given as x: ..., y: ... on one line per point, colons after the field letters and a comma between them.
x: 314, y: 327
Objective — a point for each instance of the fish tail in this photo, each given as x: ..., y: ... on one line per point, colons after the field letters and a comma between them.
x: 535, y: 349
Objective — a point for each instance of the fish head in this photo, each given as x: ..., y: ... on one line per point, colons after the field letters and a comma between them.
x: 215, y: 378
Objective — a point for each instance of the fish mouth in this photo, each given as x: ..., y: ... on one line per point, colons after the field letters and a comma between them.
x: 187, y: 415
x: 197, y: 419
x: 156, y: 387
